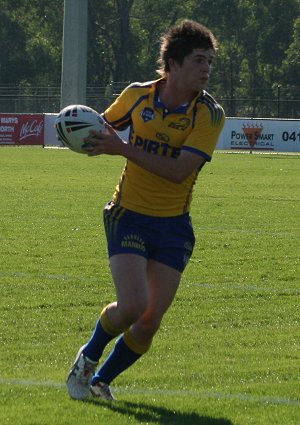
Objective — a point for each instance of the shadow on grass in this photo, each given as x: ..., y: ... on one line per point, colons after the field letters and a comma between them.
x: 146, y: 413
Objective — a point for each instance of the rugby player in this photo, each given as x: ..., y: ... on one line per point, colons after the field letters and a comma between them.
x: 174, y: 128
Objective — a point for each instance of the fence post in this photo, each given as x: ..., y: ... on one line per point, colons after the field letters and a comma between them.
x: 278, y: 100
x: 74, y: 58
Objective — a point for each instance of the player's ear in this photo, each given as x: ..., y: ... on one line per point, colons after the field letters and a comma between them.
x: 173, y: 65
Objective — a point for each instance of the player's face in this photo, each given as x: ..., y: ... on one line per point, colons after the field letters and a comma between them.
x: 195, y: 70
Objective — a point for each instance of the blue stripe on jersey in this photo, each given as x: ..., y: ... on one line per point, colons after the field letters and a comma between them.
x: 197, y: 152
x: 126, y: 119
x: 115, y: 124
x: 195, y: 108
x: 216, y: 112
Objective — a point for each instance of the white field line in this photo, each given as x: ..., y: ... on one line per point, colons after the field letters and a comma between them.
x: 26, y: 275
x: 227, y: 286
x: 247, y: 288
x: 248, y: 398
x: 247, y: 231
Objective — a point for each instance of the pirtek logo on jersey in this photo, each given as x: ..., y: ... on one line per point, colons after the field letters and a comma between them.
x: 156, y: 148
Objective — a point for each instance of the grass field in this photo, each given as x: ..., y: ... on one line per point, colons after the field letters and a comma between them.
x: 228, y: 350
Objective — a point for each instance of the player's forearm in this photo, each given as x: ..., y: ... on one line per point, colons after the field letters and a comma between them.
x: 166, y: 167
x: 172, y: 169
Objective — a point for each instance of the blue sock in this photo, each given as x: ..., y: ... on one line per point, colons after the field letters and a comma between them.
x: 94, y: 348
x: 118, y: 360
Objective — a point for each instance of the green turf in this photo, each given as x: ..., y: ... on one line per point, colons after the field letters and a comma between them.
x: 228, y: 349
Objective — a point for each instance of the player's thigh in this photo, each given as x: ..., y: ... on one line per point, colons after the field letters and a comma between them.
x: 129, y: 272
x: 163, y: 282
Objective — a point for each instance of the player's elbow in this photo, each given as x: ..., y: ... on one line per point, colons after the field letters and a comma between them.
x: 178, y: 176
x: 178, y: 179
x: 184, y: 167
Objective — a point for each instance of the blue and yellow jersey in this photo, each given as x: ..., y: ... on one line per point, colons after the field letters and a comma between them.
x: 194, y: 127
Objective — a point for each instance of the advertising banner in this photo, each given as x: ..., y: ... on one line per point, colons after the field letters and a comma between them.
x: 22, y: 129
x: 261, y: 135
x: 248, y: 134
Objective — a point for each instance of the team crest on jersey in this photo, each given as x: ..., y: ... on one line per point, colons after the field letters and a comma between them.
x: 147, y: 114
x: 182, y: 124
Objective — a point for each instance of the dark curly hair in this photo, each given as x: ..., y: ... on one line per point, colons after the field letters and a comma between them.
x: 181, y: 40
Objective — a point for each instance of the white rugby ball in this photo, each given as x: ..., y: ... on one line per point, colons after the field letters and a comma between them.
x: 73, y: 124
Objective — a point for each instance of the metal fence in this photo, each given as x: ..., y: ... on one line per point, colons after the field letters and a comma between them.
x: 281, y: 103
x: 278, y: 102
x: 18, y: 99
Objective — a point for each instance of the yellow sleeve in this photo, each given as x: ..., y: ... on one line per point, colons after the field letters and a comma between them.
x: 208, y: 125
x: 118, y: 115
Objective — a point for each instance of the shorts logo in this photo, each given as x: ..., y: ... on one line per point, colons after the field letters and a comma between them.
x: 188, y: 247
x: 147, y: 114
x: 133, y: 241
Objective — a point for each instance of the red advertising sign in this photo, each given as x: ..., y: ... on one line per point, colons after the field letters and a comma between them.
x: 21, y: 129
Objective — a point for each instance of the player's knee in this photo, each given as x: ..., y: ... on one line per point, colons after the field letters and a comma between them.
x: 148, y: 326
x: 131, y: 312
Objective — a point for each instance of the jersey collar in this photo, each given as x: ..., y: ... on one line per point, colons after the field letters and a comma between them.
x: 182, y: 109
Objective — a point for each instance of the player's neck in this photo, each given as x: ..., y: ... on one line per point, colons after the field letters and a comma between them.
x: 173, y: 95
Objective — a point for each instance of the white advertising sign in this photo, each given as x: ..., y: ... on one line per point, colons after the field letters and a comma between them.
x: 260, y: 135
x: 238, y: 134
x: 50, y: 132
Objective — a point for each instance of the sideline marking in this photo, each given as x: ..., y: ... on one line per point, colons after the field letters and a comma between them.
x: 48, y: 276
x: 229, y: 286
x: 171, y: 393
x: 247, y: 288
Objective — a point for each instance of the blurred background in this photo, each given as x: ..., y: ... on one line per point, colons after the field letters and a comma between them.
x: 256, y: 72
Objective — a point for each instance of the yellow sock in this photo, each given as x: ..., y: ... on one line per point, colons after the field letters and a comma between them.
x: 135, y: 346
x: 107, y: 325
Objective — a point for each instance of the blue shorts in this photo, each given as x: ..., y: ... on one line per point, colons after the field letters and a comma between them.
x: 169, y: 240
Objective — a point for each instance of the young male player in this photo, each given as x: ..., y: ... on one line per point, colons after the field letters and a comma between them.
x: 174, y: 128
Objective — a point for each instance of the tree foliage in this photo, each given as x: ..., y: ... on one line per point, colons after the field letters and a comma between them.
x: 31, y: 41
x: 259, y: 41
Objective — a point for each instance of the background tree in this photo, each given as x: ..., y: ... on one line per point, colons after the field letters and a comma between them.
x: 31, y: 42
x: 258, y: 55
x: 290, y: 70
x: 111, y: 49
